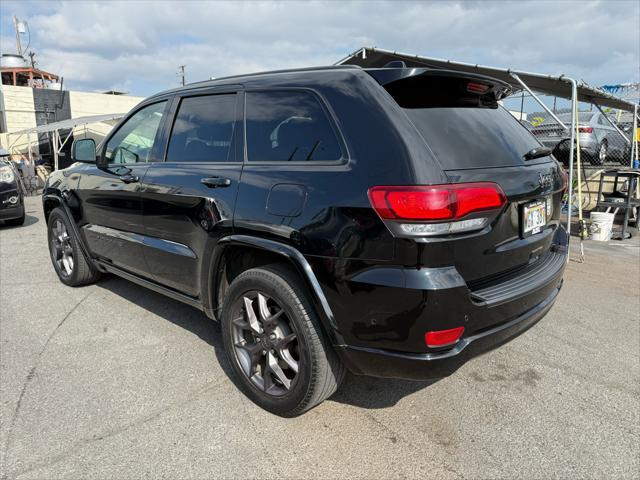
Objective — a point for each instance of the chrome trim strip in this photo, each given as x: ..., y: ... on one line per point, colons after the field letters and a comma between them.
x: 168, y: 246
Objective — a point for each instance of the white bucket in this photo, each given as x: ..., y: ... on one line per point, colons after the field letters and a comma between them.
x: 601, y: 226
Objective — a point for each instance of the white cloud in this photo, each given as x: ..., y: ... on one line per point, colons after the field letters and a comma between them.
x: 137, y: 46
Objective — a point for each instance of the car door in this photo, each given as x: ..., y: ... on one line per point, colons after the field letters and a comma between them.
x: 189, y: 199
x: 109, y: 191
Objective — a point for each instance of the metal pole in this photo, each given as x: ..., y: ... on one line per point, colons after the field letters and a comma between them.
x: 55, y: 149
x: 524, y: 85
x: 574, y: 108
x: 612, y: 124
x: 634, y: 140
x: 18, y: 45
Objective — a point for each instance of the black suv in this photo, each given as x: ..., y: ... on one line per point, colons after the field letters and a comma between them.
x: 392, y: 222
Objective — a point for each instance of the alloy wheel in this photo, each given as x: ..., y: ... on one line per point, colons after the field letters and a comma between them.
x: 602, y: 153
x: 61, y: 248
x: 265, y: 343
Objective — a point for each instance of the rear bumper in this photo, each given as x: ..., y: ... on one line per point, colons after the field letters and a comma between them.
x: 587, y: 145
x: 493, y: 313
x: 385, y: 363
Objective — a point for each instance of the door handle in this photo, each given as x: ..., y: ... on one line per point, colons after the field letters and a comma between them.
x: 216, y: 182
x: 128, y: 178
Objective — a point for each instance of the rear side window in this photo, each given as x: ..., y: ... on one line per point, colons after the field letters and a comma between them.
x: 203, y: 129
x: 463, y: 129
x: 286, y: 126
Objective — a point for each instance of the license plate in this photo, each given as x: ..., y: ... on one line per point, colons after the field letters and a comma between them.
x: 534, y: 218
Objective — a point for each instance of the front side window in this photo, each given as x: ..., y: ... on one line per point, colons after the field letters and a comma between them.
x: 134, y: 140
x: 285, y: 126
x: 203, y: 129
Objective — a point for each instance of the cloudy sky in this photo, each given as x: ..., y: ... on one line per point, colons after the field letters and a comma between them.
x: 136, y: 46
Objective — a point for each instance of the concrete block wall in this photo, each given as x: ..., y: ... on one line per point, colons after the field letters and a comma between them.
x: 17, y: 109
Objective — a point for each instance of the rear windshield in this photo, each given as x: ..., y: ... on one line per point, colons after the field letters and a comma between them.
x: 463, y: 128
x: 471, y: 137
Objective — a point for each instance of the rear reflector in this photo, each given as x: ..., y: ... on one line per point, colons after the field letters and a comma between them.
x: 585, y: 129
x: 443, y: 338
x: 436, y: 202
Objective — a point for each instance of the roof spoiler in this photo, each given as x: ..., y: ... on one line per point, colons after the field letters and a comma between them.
x: 483, y: 85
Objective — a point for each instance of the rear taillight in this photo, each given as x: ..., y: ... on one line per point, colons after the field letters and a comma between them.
x: 443, y: 338
x: 585, y: 129
x: 437, y: 209
x: 436, y: 202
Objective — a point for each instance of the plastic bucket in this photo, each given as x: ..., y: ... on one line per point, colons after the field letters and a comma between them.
x: 601, y: 226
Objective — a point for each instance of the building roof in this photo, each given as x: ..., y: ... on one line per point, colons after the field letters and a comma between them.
x: 548, y: 84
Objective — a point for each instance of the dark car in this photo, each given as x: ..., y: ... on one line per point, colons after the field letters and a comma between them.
x: 11, y: 192
x: 390, y: 222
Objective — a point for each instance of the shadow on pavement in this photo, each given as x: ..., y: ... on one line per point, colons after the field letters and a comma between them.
x: 28, y: 220
x: 184, y: 316
x: 359, y: 391
x: 375, y: 393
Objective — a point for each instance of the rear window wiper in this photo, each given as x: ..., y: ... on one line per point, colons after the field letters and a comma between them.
x: 537, y: 153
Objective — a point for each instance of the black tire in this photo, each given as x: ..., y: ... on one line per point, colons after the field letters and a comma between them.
x: 16, y: 221
x: 78, y: 271
x: 319, y: 370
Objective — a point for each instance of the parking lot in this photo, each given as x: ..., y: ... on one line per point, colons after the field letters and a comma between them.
x: 115, y: 381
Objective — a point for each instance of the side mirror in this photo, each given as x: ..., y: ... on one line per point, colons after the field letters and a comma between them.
x: 84, y: 150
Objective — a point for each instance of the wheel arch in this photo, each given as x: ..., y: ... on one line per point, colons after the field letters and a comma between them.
x: 52, y: 200
x: 261, y: 252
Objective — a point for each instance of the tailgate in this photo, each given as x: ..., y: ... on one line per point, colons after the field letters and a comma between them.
x: 505, y: 246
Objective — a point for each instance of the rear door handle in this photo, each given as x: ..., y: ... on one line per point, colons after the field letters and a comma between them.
x: 216, y: 182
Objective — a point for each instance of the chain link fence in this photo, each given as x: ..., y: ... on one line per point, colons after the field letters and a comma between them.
x: 604, y: 137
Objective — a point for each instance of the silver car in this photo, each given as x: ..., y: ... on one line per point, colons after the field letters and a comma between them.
x: 599, y: 141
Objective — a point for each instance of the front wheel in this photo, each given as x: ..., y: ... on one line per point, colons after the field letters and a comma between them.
x: 66, y: 255
x: 274, y: 342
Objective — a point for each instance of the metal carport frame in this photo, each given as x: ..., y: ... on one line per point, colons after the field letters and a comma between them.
x: 56, y: 127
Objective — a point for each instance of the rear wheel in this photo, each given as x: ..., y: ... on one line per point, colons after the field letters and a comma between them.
x: 603, y: 152
x: 67, y: 257
x: 274, y: 342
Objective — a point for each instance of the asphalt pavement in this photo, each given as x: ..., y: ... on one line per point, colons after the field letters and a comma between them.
x: 115, y: 381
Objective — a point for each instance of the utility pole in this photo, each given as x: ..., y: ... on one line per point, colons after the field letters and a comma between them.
x: 181, y: 73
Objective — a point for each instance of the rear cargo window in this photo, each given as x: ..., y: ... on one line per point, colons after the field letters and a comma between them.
x: 473, y: 137
x: 464, y: 129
